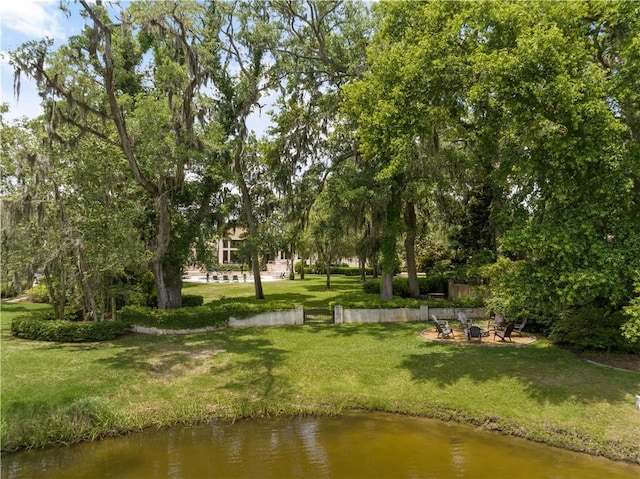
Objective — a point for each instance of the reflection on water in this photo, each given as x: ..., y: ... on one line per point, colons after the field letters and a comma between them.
x: 356, y: 445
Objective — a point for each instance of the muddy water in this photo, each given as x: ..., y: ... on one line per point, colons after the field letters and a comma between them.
x: 357, y: 445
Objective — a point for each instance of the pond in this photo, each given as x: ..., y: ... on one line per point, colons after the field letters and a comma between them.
x: 356, y: 445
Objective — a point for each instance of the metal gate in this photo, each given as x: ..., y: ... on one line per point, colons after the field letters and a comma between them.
x: 318, y: 316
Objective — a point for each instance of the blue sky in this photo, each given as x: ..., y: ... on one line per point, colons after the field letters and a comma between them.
x: 24, y: 20
x: 21, y: 21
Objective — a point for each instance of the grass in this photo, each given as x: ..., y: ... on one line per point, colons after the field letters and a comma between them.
x: 63, y: 393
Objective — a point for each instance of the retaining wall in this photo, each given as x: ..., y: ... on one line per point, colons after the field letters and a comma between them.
x: 275, y: 318
x: 341, y: 315
x: 346, y: 315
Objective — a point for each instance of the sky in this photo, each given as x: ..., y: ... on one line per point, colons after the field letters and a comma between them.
x: 21, y: 21
x: 25, y: 20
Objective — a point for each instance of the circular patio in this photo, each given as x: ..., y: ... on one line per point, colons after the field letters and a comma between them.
x: 460, y: 337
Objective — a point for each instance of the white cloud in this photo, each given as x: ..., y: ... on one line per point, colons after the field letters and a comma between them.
x: 31, y: 19
x: 21, y: 21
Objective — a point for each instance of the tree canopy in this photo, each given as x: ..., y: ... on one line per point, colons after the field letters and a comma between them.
x: 496, y: 138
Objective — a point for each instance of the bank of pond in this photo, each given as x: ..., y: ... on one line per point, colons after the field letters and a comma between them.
x: 353, y: 445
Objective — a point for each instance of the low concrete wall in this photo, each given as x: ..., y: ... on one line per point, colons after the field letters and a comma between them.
x: 347, y: 315
x: 341, y: 315
x: 275, y: 318
x: 160, y: 332
x: 452, y: 313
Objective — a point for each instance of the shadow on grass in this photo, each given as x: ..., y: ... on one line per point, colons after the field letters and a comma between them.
x: 380, y: 331
x: 245, y: 356
x: 548, y: 375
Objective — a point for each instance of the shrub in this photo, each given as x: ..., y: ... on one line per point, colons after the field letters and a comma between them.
x: 38, y: 294
x: 426, y: 285
x: 190, y: 300
x: 215, y: 314
x: 375, y: 302
x: 38, y: 326
x: 70, y: 314
x: 8, y: 291
x: 371, y: 286
x: 591, y: 328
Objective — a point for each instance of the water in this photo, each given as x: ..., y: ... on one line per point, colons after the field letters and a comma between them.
x: 353, y: 446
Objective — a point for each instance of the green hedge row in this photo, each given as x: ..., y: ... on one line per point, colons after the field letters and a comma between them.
x: 191, y: 300
x: 426, y: 284
x: 375, y: 302
x: 318, y: 268
x: 215, y: 314
x: 34, y: 327
x: 188, y: 300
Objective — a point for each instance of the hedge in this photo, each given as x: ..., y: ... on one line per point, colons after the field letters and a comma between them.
x: 215, y: 314
x: 426, y: 285
x: 188, y: 300
x: 37, y: 326
x: 318, y: 268
x: 592, y: 328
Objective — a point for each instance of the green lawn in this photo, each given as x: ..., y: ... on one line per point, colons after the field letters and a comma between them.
x: 59, y: 393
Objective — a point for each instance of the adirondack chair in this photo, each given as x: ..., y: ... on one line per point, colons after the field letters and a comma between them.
x: 474, y: 332
x: 504, y: 334
x: 497, y: 323
x: 443, y: 328
x: 465, y: 323
x: 517, y: 328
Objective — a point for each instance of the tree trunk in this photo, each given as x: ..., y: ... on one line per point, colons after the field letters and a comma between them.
x: 327, y: 270
x: 168, y: 282
x: 167, y: 276
x: 386, y: 286
x: 389, y: 249
x: 251, y: 225
x: 292, y: 271
x: 362, y: 260
x: 410, y: 248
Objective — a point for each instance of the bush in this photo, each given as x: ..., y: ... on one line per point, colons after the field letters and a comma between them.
x: 38, y: 294
x: 592, y: 328
x: 426, y: 285
x: 371, y: 286
x: 190, y: 300
x: 40, y: 327
x: 8, y: 291
x: 214, y: 314
x: 375, y: 302
x: 318, y: 268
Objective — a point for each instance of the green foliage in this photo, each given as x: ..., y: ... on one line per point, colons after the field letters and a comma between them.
x: 38, y: 294
x: 374, y: 301
x: 190, y: 300
x: 38, y: 326
x: 318, y: 268
x: 426, y: 284
x: 631, y: 327
x: 592, y: 328
x: 48, y: 314
x: 8, y: 290
x: 215, y: 314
